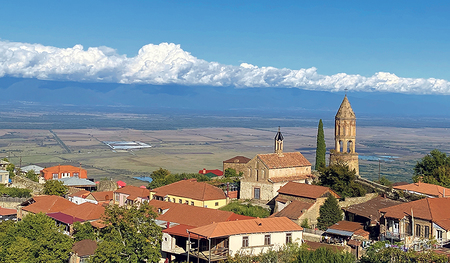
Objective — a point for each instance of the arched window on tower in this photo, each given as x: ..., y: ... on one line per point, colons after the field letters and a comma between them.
x: 350, y: 146
x: 341, y: 146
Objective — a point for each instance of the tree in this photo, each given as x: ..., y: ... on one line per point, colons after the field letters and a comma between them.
x: 164, y: 177
x: 34, y: 239
x: 329, y: 213
x: 83, y: 231
x: 55, y: 187
x: 246, y: 210
x: 341, y: 180
x: 434, y: 168
x: 230, y: 172
x: 11, y: 168
x: 385, y: 181
x: 321, y: 149
x: 131, y: 235
x: 32, y: 176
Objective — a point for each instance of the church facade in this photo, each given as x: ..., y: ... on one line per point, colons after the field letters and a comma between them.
x: 345, y: 137
x: 265, y: 174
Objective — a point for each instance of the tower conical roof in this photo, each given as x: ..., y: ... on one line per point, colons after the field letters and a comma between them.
x: 278, y: 136
x: 345, y: 111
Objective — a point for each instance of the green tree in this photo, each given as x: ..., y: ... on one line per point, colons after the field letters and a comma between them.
x: 246, y: 209
x: 305, y: 223
x: 131, y: 235
x: 32, y: 176
x: 11, y: 168
x: 321, y: 149
x: 385, y: 181
x: 34, y: 239
x: 341, y: 180
x: 230, y: 172
x: 55, y: 187
x: 329, y: 213
x: 434, y: 168
x: 83, y: 231
x: 163, y: 177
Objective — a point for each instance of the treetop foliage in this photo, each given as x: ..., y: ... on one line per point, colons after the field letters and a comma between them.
x: 433, y: 168
x: 55, y: 187
x: 321, y: 149
x: 341, y: 180
x: 14, y: 191
x: 246, y: 209
x: 329, y: 213
x: 164, y: 177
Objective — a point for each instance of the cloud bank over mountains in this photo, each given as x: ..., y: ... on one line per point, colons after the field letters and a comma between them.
x: 167, y: 63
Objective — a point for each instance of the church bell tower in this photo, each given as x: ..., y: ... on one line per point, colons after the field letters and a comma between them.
x: 279, y: 143
x: 345, y: 137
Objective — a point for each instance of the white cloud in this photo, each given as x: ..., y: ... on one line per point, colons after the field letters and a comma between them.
x: 168, y: 63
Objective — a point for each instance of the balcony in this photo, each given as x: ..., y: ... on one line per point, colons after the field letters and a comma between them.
x: 394, y: 235
x: 217, y: 254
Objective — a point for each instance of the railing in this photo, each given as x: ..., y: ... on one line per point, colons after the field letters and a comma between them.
x: 394, y: 235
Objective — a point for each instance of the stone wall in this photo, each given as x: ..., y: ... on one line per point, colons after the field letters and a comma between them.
x: 11, y: 202
x: 247, y: 188
x: 357, y: 200
x: 23, y: 182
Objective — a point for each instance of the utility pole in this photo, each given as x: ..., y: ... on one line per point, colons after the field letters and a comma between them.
x: 379, y: 170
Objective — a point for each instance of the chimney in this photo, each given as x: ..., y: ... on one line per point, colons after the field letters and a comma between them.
x: 204, y: 171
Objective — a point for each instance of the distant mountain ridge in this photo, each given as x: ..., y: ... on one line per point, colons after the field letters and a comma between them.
x: 293, y: 101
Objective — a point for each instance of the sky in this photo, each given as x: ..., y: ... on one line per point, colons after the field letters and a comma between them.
x: 390, y: 46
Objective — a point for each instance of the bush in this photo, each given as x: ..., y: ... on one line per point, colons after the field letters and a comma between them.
x: 246, y: 210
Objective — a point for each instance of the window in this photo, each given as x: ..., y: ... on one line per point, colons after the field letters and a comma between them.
x: 180, y: 201
x: 76, y: 174
x: 418, y: 230
x: 174, y: 200
x: 186, y: 202
x: 192, y: 202
x: 427, y: 232
x: 439, y: 234
x: 55, y: 176
x: 117, y: 197
x: 245, y: 241
x: 267, y: 240
x: 217, y: 203
x: 288, y: 238
x: 256, y: 193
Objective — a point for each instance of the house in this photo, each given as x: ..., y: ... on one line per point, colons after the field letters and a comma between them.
x: 266, y: 173
x: 78, y: 183
x: 3, y: 164
x: 78, y: 197
x: 219, y: 240
x: 367, y: 214
x: 85, y: 212
x: 238, y: 163
x: 105, y: 197
x: 211, y: 173
x: 35, y: 168
x: 191, y: 192
x: 62, y: 171
x: 82, y: 250
x: 350, y: 234
x: 416, y: 221
x: 4, y: 177
x: 64, y: 220
x: 300, y: 202
x: 129, y: 195
x: 7, y: 214
x: 176, y: 219
x: 43, y: 204
x: 428, y: 190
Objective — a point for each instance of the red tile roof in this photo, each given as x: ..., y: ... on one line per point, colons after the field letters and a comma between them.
x: 238, y: 159
x: 180, y: 230
x: 250, y: 226
x: 293, y: 210
x: 81, y: 193
x: 217, y: 172
x: 432, y: 209
x: 85, y: 247
x: 134, y: 191
x: 103, y: 196
x: 424, y: 188
x: 191, y: 189
x: 287, y: 160
x: 48, y: 204
x: 7, y: 211
x: 193, y: 215
x: 59, y: 169
x: 370, y: 208
x: 305, y: 190
x: 347, y: 226
x: 86, y: 211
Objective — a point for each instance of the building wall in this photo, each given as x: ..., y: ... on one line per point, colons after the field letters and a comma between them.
x: 247, y: 190
x: 357, y: 200
x: 4, y: 177
x: 256, y: 242
x: 214, y: 204
x: 238, y: 167
x: 79, y: 200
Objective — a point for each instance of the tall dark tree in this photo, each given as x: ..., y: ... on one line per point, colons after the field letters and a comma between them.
x: 329, y: 213
x: 321, y: 149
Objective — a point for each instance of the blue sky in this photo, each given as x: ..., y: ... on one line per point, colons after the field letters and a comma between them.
x: 407, y: 38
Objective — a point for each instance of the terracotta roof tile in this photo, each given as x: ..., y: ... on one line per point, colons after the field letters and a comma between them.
x: 85, y: 247
x: 347, y: 226
x: 180, y: 230
x: 81, y: 193
x: 7, y: 211
x: 370, y: 208
x: 192, y: 215
x: 86, y: 211
x: 238, y: 159
x: 287, y: 160
x: 135, y: 191
x: 305, y: 190
x: 191, y: 189
x: 424, y: 188
x: 257, y: 225
x: 293, y: 210
x: 49, y: 171
x: 103, y: 196
x: 48, y: 204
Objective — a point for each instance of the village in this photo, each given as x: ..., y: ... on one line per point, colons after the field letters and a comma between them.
x: 194, y: 227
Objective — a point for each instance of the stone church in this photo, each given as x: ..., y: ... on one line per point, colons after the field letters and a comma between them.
x: 266, y: 173
x: 345, y: 137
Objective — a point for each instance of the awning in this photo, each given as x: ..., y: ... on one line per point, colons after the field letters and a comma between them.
x: 339, y: 232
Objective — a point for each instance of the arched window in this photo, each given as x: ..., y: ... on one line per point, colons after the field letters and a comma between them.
x: 341, y: 146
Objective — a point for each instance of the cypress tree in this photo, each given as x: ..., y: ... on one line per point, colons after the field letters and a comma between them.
x: 321, y: 149
x: 329, y: 213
